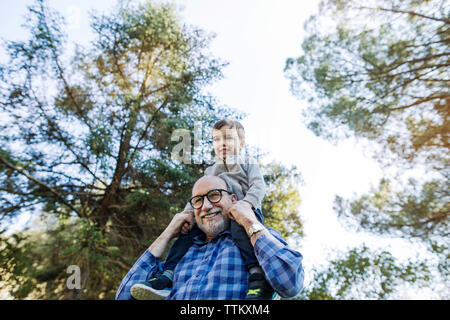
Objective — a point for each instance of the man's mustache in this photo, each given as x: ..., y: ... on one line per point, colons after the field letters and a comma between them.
x: 210, y: 211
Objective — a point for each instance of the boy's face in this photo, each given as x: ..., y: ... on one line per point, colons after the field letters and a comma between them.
x: 226, y: 142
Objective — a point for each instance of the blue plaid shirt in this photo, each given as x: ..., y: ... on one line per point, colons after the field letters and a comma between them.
x: 215, y: 270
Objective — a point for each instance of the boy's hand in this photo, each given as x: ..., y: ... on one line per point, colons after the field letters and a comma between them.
x: 188, y: 225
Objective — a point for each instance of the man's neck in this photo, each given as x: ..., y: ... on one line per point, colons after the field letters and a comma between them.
x: 210, y: 237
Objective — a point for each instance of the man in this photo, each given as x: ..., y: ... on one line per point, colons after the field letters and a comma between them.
x: 213, y: 267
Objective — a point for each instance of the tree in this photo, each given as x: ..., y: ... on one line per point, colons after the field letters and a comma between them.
x: 86, y: 144
x: 282, y: 201
x: 363, y: 274
x: 383, y: 74
x: 89, y: 137
x: 416, y: 212
x: 379, y: 70
x: 113, y: 106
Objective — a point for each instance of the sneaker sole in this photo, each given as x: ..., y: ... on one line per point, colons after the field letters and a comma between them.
x: 275, y: 296
x: 141, y: 292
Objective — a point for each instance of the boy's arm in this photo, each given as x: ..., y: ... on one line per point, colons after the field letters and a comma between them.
x: 256, y: 186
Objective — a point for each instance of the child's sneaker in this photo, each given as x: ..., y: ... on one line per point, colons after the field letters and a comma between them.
x: 155, y: 289
x: 259, y: 288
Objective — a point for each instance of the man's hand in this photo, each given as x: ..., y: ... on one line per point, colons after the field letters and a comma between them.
x: 181, y: 223
x: 187, y: 226
x: 241, y: 211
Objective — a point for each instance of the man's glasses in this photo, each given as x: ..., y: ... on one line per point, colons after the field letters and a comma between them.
x: 213, y: 196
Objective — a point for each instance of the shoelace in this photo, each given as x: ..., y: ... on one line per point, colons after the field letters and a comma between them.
x: 253, y: 291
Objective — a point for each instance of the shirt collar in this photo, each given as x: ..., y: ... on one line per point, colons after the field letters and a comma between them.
x: 200, y: 240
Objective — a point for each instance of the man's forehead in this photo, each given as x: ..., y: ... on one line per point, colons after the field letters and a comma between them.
x: 205, y: 184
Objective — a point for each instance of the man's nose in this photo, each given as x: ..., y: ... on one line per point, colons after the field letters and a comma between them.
x: 206, y: 204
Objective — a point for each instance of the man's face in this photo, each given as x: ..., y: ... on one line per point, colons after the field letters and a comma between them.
x: 226, y: 142
x: 212, y: 218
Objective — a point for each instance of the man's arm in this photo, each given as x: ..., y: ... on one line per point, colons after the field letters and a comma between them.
x: 174, y: 228
x: 145, y: 265
x: 149, y: 262
x: 281, y: 264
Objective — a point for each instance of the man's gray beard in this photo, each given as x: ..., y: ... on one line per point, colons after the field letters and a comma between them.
x: 212, y: 228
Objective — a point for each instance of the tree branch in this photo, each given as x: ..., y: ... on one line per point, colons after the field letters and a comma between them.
x: 411, y: 13
x: 147, y: 127
x: 430, y: 98
x: 52, y: 190
x: 426, y: 58
x: 67, y: 88
x: 63, y: 139
x: 119, y: 264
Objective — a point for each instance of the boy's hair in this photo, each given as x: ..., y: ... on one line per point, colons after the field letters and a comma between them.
x: 232, y: 124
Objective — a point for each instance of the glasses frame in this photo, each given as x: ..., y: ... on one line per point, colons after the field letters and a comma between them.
x: 206, y: 195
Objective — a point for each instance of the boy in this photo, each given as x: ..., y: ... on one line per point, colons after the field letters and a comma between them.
x: 247, y: 182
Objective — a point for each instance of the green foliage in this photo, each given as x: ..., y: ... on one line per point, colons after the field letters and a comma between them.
x: 364, y: 274
x: 15, y: 265
x: 282, y: 201
x: 379, y: 70
x: 418, y: 211
x: 86, y: 139
x: 36, y: 261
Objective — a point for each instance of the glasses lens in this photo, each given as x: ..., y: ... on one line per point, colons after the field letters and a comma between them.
x: 214, y: 196
x: 197, y: 202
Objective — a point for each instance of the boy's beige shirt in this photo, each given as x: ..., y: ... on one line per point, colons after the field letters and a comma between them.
x: 243, y: 177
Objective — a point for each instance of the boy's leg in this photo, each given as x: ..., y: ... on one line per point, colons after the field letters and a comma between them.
x: 240, y: 238
x: 259, y: 288
x: 180, y: 247
x: 259, y: 215
x: 242, y: 241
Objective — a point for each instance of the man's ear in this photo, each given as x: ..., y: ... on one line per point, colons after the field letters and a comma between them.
x: 233, y: 197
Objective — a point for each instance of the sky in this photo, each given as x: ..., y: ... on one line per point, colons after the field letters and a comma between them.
x: 256, y: 37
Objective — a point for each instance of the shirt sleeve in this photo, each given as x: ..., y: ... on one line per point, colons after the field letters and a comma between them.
x: 144, y: 267
x: 281, y: 264
x: 256, y: 186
